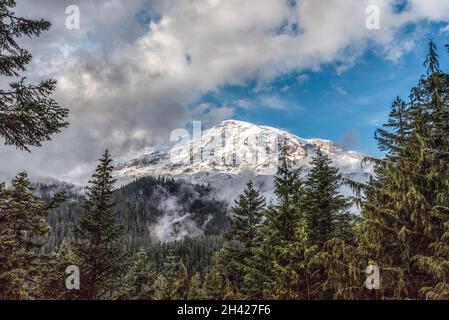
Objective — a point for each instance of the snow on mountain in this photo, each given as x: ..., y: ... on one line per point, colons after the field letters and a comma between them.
x: 232, y: 152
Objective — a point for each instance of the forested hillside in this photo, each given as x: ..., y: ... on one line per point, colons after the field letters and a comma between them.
x: 143, y: 205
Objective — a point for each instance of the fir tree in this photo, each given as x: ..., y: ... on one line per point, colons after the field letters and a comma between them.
x: 325, y: 209
x: 277, y: 231
x: 138, y: 283
x: 162, y: 288
x: 392, y: 137
x: 97, y: 236
x: 247, y: 217
x: 217, y: 286
x: 171, y: 270
x: 242, y: 238
x: 344, y: 271
x: 288, y: 187
x: 182, y: 284
x: 293, y: 279
x: 51, y: 283
x: 28, y: 115
x: 22, y: 234
x: 402, y: 215
x: 196, y: 291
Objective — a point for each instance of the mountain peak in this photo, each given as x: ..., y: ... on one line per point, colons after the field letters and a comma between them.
x: 233, y: 147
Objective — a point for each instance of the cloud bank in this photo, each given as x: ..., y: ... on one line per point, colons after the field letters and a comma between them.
x: 132, y: 71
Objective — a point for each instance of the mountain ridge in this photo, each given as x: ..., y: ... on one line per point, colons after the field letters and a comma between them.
x: 232, y: 152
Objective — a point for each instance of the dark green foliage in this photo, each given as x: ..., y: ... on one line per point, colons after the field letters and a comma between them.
x: 396, y: 130
x: 22, y: 229
x: 97, y: 246
x: 196, y: 291
x: 51, y: 281
x: 277, y: 231
x: 242, y: 239
x: 182, y: 284
x: 405, y: 212
x: 28, y: 115
x: 293, y: 276
x: 138, y: 283
x: 325, y: 210
x: 246, y: 218
x: 139, y: 205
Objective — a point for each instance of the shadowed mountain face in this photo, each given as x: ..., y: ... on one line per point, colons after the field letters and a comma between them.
x: 150, y: 209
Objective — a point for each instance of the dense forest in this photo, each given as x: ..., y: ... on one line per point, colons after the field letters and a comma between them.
x: 306, y: 245
x: 141, y: 205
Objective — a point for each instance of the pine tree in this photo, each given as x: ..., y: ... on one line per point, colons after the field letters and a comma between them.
x: 28, y: 115
x: 97, y: 244
x: 171, y: 270
x: 51, y: 282
x: 288, y: 187
x: 22, y: 234
x: 138, y: 283
x: 246, y: 218
x: 399, y: 124
x: 402, y: 215
x: 216, y: 285
x: 162, y: 288
x: 277, y: 231
x: 293, y: 279
x: 182, y: 284
x: 196, y: 291
x: 433, y: 97
x: 325, y: 209
x: 437, y: 264
x: 242, y: 238
x: 344, y: 271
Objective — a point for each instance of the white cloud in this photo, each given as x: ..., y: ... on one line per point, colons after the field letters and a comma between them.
x: 445, y: 29
x: 128, y: 86
x: 341, y: 91
x: 302, y: 79
x: 273, y: 102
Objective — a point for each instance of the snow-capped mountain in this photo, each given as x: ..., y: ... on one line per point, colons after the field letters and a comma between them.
x: 235, y: 150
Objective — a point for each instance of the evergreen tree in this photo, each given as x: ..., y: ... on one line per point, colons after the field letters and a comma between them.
x: 138, y: 283
x: 172, y: 268
x: 242, y: 238
x: 288, y: 187
x: 217, y: 286
x: 403, y: 215
x: 28, y: 115
x: 325, y: 209
x: 393, y: 136
x: 22, y: 234
x: 247, y: 217
x: 196, y: 291
x: 182, y: 284
x: 293, y: 279
x: 97, y: 236
x: 344, y: 272
x: 433, y: 97
x: 51, y: 282
x: 277, y: 231
x: 162, y: 288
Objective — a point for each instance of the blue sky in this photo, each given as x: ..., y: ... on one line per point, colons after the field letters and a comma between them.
x: 135, y: 71
x: 345, y: 107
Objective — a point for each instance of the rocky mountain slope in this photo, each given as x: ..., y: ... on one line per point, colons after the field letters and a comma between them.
x: 228, y: 154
